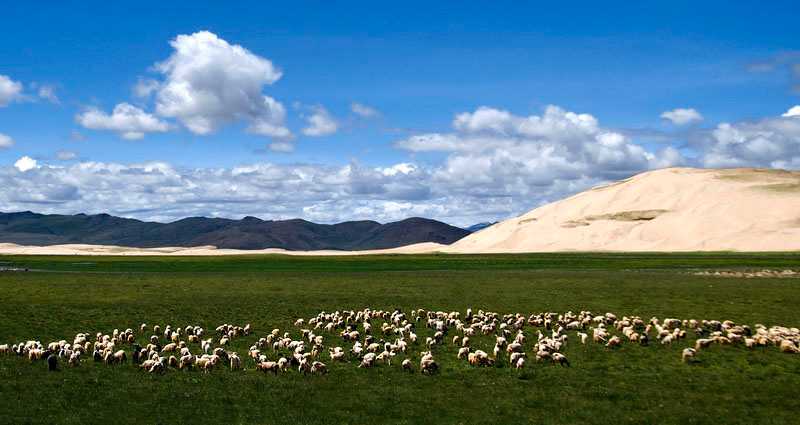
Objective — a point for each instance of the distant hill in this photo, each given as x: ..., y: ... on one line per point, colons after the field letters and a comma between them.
x: 480, y: 226
x: 27, y: 228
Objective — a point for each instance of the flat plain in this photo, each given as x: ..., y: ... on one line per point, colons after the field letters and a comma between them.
x: 60, y: 296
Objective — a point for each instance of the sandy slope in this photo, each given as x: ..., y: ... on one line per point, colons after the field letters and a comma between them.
x: 676, y: 209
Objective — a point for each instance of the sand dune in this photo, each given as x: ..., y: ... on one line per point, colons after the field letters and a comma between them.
x: 676, y: 209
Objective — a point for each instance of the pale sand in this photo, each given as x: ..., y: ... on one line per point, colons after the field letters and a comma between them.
x: 690, y: 210
x: 675, y: 209
x: 76, y: 249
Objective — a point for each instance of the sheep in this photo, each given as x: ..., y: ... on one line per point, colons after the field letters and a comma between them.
x: 462, y: 353
x: 368, y: 360
x: 520, y: 363
x: 702, y: 343
x: 318, y: 368
x: 407, y: 365
x: 427, y: 364
x: 268, y: 367
x: 560, y: 359
x: 52, y: 363
x: 584, y: 337
x: 688, y: 354
x: 787, y: 346
x: 283, y: 364
x: 235, y: 361
x: 614, y: 341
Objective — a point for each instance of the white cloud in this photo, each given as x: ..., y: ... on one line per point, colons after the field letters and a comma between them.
x: 682, y: 116
x: 320, y: 123
x: 363, y: 111
x: 48, y: 93
x: 66, y: 155
x: 794, y: 111
x: 145, y: 87
x: 25, y: 163
x: 128, y: 121
x: 769, y: 142
x: 518, y: 162
x: 209, y: 83
x: 6, y: 141
x: 10, y: 90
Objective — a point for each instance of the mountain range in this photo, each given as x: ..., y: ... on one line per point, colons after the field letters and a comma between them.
x: 28, y: 228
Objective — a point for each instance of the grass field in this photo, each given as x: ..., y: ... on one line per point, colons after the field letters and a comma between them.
x: 61, y: 296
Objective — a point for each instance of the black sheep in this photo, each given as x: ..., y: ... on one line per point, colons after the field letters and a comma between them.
x: 52, y: 363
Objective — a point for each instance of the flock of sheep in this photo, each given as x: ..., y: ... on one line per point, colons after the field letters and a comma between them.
x: 376, y: 337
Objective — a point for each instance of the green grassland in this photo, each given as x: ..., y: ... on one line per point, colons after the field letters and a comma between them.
x: 61, y: 296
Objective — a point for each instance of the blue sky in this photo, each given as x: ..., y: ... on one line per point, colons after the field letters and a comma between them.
x: 418, y: 65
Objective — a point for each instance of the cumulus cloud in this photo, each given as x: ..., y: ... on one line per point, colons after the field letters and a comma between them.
x: 363, y: 111
x: 794, y: 111
x: 128, y: 121
x: 6, y: 141
x: 682, y: 116
x: 25, y: 163
x: 320, y: 123
x: 10, y: 90
x: 209, y: 82
x: 769, y: 142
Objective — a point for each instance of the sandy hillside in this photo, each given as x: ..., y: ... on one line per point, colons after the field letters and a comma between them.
x: 676, y: 209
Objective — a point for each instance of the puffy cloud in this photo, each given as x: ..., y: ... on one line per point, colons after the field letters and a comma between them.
x: 6, y: 141
x: 10, y: 90
x: 320, y: 123
x: 129, y: 121
x: 682, y: 116
x: 48, y: 93
x: 510, y: 164
x: 363, y: 111
x: 792, y: 112
x: 209, y: 83
x: 25, y: 163
x: 769, y: 142
x: 163, y: 192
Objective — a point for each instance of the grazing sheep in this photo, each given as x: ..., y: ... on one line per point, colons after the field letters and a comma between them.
x: 520, y: 363
x: 788, y: 346
x: 368, y: 360
x: 407, y: 365
x: 236, y: 362
x: 702, y: 343
x: 318, y: 368
x: 52, y: 363
x: 560, y: 359
x: 427, y: 364
x: 688, y: 354
x: 463, y: 352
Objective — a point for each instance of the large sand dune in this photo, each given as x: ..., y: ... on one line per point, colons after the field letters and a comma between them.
x: 675, y: 209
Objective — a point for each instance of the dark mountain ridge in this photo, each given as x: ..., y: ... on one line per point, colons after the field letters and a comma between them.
x: 28, y: 228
